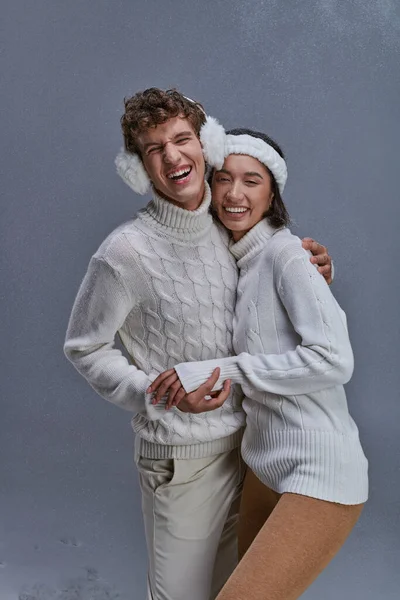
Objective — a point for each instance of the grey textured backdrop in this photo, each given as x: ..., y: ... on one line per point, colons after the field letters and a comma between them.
x: 322, y: 77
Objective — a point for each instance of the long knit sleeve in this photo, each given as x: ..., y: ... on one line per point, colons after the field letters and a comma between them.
x: 100, y: 309
x: 322, y: 359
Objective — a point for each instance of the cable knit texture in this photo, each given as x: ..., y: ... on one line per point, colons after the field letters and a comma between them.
x: 166, y: 282
x: 293, y: 357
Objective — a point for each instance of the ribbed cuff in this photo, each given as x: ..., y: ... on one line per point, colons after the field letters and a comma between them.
x: 153, y: 412
x: 193, y: 374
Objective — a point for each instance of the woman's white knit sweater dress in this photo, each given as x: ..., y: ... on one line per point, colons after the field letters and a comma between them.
x: 293, y: 357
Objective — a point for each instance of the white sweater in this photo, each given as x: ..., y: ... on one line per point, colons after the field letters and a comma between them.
x: 166, y: 282
x: 293, y: 357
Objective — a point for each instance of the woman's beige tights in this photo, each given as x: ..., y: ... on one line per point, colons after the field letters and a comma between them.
x: 294, y: 536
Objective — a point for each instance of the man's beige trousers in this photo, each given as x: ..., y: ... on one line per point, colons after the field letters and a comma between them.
x: 190, y: 509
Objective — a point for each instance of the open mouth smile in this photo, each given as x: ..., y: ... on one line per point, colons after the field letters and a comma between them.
x: 239, y: 209
x: 180, y: 175
x: 236, y: 212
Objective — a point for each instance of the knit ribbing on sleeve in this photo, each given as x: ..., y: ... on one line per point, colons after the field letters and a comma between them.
x: 323, y: 359
x: 100, y: 309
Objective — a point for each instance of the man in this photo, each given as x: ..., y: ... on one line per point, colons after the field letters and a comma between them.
x: 166, y: 282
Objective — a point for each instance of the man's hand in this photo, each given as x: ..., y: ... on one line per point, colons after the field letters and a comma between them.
x: 195, y: 402
x: 320, y: 257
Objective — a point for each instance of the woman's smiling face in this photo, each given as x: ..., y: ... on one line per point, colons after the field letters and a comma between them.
x: 241, y: 193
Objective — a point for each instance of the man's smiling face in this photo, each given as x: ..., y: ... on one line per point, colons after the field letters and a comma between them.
x: 173, y: 158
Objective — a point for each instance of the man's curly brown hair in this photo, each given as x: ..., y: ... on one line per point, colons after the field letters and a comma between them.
x: 153, y: 107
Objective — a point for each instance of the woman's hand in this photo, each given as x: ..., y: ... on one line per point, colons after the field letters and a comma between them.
x: 320, y: 257
x: 167, y: 382
x: 195, y: 402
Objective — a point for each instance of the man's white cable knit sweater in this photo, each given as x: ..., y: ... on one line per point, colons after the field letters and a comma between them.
x: 293, y: 357
x: 166, y: 282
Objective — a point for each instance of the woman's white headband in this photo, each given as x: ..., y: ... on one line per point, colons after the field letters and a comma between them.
x: 217, y: 145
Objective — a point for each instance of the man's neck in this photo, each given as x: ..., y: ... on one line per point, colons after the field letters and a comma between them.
x: 191, y: 204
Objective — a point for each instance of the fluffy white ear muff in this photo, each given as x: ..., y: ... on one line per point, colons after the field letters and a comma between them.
x: 130, y: 168
x: 212, y: 138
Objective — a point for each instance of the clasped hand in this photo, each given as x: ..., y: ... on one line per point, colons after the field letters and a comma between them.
x: 201, y: 400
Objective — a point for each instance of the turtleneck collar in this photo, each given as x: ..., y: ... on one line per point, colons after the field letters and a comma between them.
x: 174, y: 220
x: 254, y: 241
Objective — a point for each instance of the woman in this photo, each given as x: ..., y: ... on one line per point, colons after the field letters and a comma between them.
x: 293, y: 357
